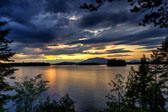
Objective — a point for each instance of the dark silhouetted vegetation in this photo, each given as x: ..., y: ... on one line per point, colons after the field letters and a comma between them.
x: 28, y: 64
x: 28, y: 97
x: 115, y: 97
x: 28, y: 92
x: 146, y: 88
x: 142, y: 89
x: 160, y: 73
x: 155, y: 11
x: 65, y: 104
x: 5, y: 70
x: 115, y: 62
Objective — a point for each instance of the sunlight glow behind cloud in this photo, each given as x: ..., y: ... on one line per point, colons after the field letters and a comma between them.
x: 62, y: 46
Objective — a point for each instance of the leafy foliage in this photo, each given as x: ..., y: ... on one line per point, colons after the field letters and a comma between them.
x: 142, y: 89
x: 5, y: 70
x: 131, y: 88
x: 28, y: 97
x: 115, y: 97
x: 28, y: 92
x: 160, y: 75
x: 65, y: 104
x: 92, y: 7
x: 143, y: 79
x: 156, y: 11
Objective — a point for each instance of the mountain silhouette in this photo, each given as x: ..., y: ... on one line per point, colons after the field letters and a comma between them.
x: 95, y: 60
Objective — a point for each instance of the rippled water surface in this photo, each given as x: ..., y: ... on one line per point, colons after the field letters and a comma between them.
x: 86, y: 85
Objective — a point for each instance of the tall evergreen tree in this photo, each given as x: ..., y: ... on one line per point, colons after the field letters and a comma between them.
x: 5, y: 70
x: 143, y: 89
x: 137, y: 88
x: 116, y: 96
x: 163, y: 51
x: 159, y: 70
x: 131, y: 89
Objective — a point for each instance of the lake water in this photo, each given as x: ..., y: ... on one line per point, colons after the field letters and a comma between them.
x: 86, y: 85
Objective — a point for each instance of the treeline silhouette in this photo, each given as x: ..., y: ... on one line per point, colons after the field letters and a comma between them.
x: 27, y: 64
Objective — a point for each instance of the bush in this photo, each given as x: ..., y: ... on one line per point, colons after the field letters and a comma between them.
x: 65, y: 104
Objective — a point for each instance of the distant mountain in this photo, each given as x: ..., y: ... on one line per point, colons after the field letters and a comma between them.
x: 88, y: 64
x: 139, y: 61
x: 134, y: 61
x: 65, y: 63
x: 95, y: 60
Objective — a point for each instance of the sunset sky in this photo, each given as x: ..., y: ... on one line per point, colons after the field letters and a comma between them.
x: 58, y: 30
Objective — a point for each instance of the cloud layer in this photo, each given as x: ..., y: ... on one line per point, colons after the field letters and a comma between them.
x: 38, y: 24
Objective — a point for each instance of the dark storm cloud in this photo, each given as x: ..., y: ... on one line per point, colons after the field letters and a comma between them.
x: 38, y: 23
x: 35, y: 24
x: 148, y: 42
x: 33, y: 36
x: 104, y: 19
x: 118, y: 51
x: 48, y: 51
x: 129, y: 39
x: 61, y: 6
x: 56, y: 6
x: 20, y: 10
x: 64, y: 51
x: 149, y: 37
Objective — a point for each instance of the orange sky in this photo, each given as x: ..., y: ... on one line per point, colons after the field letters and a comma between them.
x: 136, y: 53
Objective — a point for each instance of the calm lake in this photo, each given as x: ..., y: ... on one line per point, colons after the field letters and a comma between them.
x: 86, y: 85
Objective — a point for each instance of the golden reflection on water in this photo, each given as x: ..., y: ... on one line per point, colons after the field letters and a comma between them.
x: 63, y: 79
x: 51, y: 75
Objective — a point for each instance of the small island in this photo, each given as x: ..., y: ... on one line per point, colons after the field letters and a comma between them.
x: 116, y: 62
